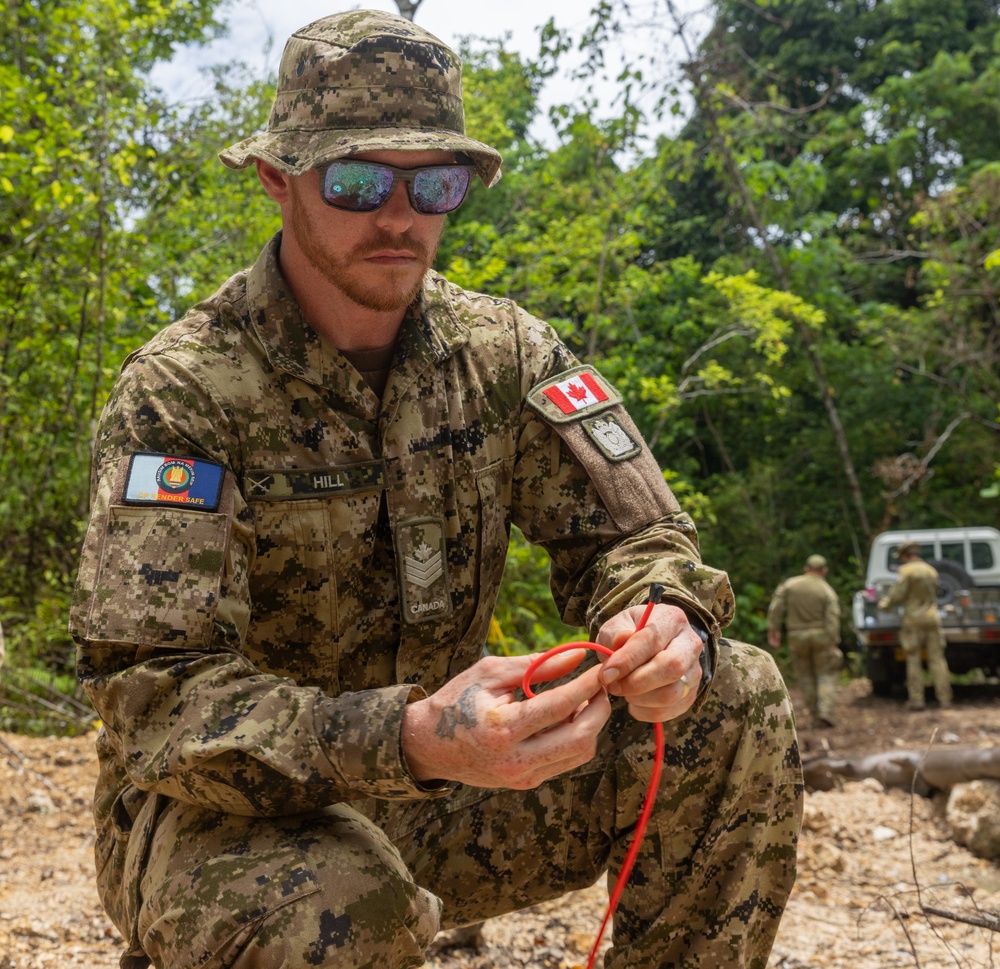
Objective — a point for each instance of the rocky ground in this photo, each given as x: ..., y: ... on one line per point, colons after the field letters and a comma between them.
x: 871, y: 863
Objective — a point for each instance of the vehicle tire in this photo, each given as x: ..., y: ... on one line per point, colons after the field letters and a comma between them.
x: 878, y: 674
x: 881, y: 688
x: 951, y: 578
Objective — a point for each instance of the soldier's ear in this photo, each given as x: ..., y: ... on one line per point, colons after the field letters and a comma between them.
x: 275, y: 183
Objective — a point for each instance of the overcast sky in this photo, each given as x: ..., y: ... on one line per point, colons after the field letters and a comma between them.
x: 255, y: 23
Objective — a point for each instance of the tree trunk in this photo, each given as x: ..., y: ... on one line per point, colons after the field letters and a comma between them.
x: 924, y: 771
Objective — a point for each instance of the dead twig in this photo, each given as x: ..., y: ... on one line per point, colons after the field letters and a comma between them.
x: 11, y: 750
x: 983, y: 921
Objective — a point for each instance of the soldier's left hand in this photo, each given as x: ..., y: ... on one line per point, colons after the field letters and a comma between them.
x: 647, y: 666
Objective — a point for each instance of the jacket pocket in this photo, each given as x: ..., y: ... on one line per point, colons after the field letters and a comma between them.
x: 293, y: 591
x: 122, y: 844
x: 159, y: 577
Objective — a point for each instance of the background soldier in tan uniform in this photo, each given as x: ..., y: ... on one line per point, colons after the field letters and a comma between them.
x: 302, y: 498
x: 920, y: 632
x: 811, y: 613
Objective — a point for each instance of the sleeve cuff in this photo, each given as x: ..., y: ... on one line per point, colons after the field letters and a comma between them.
x: 707, y: 656
x: 362, y: 739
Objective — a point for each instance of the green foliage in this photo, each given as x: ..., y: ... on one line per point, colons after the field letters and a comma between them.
x: 820, y: 238
x: 525, y: 619
x: 77, y: 144
x: 750, y: 624
x: 203, y: 221
x: 42, y: 701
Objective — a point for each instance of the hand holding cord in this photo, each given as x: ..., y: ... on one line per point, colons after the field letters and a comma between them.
x: 655, y: 595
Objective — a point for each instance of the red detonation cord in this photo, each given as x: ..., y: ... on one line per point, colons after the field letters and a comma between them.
x: 654, y: 780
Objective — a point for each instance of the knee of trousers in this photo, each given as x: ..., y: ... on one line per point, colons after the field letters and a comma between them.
x: 740, y: 735
x: 719, y: 857
x: 323, y: 889
x: 747, y: 709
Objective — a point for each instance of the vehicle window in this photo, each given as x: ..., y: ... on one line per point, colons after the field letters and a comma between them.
x: 954, y: 552
x: 892, y: 555
x: 926, y: 552
x: 982, y: 555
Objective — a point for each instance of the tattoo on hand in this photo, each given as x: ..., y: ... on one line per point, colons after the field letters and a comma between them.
x: 461, y: 714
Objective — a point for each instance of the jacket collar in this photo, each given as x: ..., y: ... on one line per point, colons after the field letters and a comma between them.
x: 431, y: 331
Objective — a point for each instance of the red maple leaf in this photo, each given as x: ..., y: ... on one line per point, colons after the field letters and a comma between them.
x: 577, y: 392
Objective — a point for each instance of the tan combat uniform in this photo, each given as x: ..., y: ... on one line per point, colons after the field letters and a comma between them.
x: 251, y: 650
x: 920, y: 632
x: 812, y: 619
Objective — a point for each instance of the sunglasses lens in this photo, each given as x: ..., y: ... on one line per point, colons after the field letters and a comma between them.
x: 357, y: 186
x: 440, y: 190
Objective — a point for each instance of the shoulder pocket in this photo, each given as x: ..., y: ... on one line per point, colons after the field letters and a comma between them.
x: 159, y: 577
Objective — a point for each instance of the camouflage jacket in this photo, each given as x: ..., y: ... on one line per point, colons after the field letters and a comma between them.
x: 916, y: 591
x: 808, y: 604
x: 252, y: 649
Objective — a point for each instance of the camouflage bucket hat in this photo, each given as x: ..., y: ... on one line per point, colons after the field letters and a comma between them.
x: 363, y: 81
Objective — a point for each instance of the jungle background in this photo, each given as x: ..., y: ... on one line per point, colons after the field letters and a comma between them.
x: 796, y: 291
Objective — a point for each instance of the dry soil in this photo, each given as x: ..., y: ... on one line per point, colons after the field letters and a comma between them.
x: 870, y: 863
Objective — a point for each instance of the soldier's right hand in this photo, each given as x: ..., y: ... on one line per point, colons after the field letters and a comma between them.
x: 474, y: 730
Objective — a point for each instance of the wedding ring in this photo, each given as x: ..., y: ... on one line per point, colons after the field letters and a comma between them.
x: 687, y: 685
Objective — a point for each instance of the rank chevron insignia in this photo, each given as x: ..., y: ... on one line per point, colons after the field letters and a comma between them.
x: 424, y: 566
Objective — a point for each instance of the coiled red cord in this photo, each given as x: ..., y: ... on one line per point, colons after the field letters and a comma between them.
x: 654, y: 780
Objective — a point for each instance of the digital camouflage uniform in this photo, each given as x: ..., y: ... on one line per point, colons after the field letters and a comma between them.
x: 920, y: 632
x: 251, y: 662
x: 811, y: 613
x: 278, y: 561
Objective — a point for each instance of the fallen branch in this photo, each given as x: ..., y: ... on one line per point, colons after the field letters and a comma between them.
x: 983, y: 920
x: 921, y: 771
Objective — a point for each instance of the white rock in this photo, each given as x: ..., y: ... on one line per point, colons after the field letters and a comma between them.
x: 882, y: 833
x: 973, y: 814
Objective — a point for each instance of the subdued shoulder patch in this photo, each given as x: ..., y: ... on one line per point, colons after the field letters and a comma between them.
x: 611, y: 437
x: 573, y: 395
x: 586, y: 412
x: 171, y: 482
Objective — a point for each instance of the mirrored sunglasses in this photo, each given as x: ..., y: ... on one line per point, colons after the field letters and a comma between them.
x: 362, y: 186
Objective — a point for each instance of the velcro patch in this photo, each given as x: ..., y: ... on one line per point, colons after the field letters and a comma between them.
x: 572, y: 395
x: 611, y: 438
x: 607, y: 445
x: 423, y: 569
x: 169, y: 481
x: 349, y: 479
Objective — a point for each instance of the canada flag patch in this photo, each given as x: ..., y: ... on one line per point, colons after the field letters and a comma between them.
x: 572, y: 395
x: 576, y: 393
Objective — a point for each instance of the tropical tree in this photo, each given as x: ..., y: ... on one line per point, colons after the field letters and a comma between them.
x: 80, y: 133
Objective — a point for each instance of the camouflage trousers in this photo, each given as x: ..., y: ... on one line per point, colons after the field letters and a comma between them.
x: 354, y: 889
x: 916, y: 642
x: 817, y: 663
